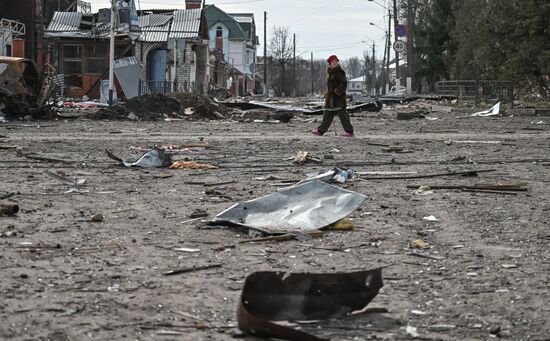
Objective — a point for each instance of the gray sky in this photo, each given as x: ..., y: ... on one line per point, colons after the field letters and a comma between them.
x: 323, y: 27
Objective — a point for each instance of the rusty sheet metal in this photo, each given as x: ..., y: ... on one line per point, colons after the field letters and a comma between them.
x: 279, y: 296
x: 301, y: 208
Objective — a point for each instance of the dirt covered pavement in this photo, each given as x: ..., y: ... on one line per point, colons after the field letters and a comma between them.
x: 86, y: 261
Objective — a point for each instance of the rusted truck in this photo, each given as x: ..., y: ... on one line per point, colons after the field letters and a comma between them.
x: 24, y: 90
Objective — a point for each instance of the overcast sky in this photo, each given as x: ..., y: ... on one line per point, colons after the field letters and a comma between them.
x: 323, y: 27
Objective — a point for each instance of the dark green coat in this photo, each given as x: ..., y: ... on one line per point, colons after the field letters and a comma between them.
x: 336, y: 88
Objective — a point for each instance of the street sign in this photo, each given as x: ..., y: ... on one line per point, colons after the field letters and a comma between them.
x: 399, y: 46
x: 401, y: 30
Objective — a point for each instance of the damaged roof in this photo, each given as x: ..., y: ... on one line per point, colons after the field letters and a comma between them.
x: 186, y: 23
x: 154, y: 27
x: 66, y: 24
x: 157, y: 27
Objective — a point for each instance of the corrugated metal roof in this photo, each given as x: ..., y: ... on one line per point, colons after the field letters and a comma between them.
x: 65, y: 22
x: 155, y: 19
x: 186, y: 23
x: 154, y: 27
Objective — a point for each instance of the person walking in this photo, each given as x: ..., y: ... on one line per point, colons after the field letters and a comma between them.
x: 335, y: 99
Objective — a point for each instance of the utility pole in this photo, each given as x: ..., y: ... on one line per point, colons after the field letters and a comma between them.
x: 111, y: 53
x: 410, y: 22
x: 383, y: 65
x: 311, y: 73
x: 266, y: 91
x: 396, y: 38
x: 388, y: 47
x: 294, y: 65
x: 373, y: 69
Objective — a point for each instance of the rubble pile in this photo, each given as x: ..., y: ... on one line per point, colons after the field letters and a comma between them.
x: 202, y: 106
x: 159, y: 107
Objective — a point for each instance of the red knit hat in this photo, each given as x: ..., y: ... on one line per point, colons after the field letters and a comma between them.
x: 331, y: 58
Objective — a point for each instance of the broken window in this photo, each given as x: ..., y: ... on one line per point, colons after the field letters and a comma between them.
x: 72, y: 65
x: 97, y: 61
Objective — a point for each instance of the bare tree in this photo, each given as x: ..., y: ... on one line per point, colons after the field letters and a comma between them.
x: 280, y: 48
x: 353, y: 67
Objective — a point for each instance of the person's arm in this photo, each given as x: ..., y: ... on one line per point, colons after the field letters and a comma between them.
x: 340, y: 90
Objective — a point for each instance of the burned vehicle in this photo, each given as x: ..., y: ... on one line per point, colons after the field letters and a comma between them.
x: 23, y: 89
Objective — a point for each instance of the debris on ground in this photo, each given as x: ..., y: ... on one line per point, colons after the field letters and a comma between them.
x: 497, y: 186
x: 192, y: 165
x: 158, y: 107
x: 302, y: 208
x: 278, y: 296
x: 154, y: 158
x: 263, y: 115
x: 409, y: 115
x: 343, y: 224
x: 302, y: 157
x: 495, y: 110
x: 65, y: 180
x: 9, y: 209
x: 431, y: 218
x: 419, y: 244
x: 334, y: 174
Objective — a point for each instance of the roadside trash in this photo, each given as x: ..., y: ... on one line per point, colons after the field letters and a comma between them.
x: 482, y: 187
x: 187, y: 249
x: 9, y: 209
x: 412, y: 331
x: 171, y: 148
x: 300, y: 208
x: 190, y: 269
x: 423, y: 190
x: 334, y: 174
x: 154, y: 158
x: 430, y: 218
x: 302, y: 157
x: 66, y: 181
x: 509, y: 266
x: 98, y: 217
x: 278, y: 296
x: 198, y: 213
x: 490, y: 112
x: 343, y: 224
x: 419, y: 244
x: 441, y: 327
x: 192, y: 165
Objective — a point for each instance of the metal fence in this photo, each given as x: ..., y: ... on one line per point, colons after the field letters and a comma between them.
x: 167, y: 87
x: 477, y: 90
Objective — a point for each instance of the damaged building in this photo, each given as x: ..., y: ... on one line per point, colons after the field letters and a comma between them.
x: 171, y: 45
x: 233, y: 44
